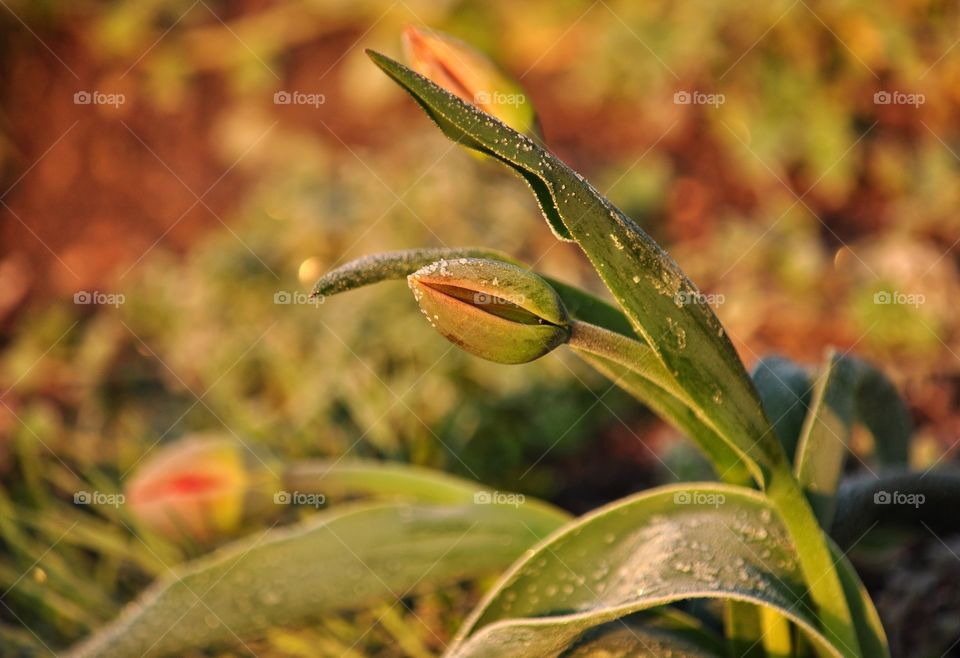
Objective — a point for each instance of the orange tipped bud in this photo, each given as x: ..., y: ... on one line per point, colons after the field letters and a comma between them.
x: 492, y: 309
x: 466, y: 72
x: 195, y: 487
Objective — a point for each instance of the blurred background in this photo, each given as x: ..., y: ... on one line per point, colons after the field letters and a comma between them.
x: 163, y: 215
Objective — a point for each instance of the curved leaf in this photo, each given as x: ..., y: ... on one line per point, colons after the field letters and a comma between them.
x: 390, y: 480
x: 881, y: 409
x: 348, y: 559
x: 848, y: 390
x: 902, y: 499
x: 627, y: 640
x: 826, y: 432
x: 662, y: 546
x: 394, y: 265
x: 785, y: 390
x: 873, y: 640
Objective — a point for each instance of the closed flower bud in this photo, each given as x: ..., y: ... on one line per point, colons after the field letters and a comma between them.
x: 492, y: 309
x: 466, y: 72
x: 196, y: 488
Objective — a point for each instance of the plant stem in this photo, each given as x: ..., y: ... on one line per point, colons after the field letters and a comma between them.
x: 816, y: 563
x: 627, y: 352
x: 649, y: 380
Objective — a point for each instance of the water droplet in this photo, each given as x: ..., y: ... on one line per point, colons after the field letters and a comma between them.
x: 678, y: 332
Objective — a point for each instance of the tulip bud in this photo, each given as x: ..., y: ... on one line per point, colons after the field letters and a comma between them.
x: 196, y: 488
x: 492, y: 309
x: 466, y: 72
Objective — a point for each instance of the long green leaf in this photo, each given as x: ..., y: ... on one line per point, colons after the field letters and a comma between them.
x: 659, y: 547
x: 848, y: 390
x: 633, y: 641
x: 785, y: 390
x: 743, y: 628
x: 394, y: 265
x: 384, y: 480
x: 897, y: 499
x: 881, y: 410
x: 873, y: 640
x: 823, y: 442
x: 347, y: 559
x: 662, y: 304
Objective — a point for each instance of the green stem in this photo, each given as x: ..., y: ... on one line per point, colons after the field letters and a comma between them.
x: 816, y: 563
x: 741, y: 623
x: 777, y: 638
x: 641, y: 360
x: 627, y: 352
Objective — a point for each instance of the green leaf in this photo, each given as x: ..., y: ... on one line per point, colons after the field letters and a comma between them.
x: 394, y: 265
x: 665, y: 545
x: 881, y: 410
x: 826, y: 432
x: 340, y: 478
x: 923, y: 501
x: 776, y: 640
x: 589, y: 308
x: 848, y: 390
x: 347, y: 559
x: 743, y: 629
x: 662, y: 304
x: 785, y: 390
x: 633, y: 640
x: 870, y: 634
